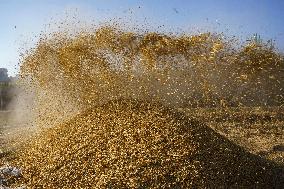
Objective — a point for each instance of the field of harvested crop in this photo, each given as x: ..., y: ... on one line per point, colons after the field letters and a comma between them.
x: 259, y: 130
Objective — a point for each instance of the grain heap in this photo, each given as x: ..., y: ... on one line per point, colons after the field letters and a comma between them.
x: 135, y: 144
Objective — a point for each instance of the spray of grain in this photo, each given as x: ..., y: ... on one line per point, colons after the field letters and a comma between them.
x: 90, y: 68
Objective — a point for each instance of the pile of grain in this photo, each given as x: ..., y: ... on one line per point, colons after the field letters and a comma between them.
x: 136, y: 144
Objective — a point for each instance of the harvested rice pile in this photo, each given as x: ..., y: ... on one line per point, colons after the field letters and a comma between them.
x: 135, y: 144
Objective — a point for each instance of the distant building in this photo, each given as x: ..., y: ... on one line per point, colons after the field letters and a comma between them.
x: 4, y: 75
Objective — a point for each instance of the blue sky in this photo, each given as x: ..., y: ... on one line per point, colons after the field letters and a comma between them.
x: 22, y: 20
